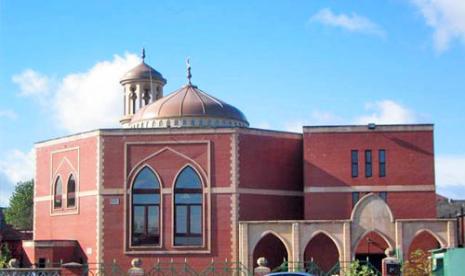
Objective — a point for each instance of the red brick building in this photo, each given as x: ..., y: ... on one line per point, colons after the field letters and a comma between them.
x: 186, y: 178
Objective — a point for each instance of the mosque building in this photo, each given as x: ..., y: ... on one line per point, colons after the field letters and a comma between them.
x: 185, y: 179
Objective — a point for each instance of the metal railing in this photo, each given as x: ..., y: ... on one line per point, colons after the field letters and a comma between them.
x: 30, y: 272
x: 171, y: 268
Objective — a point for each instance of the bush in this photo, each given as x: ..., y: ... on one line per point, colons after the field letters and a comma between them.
x: 357, y: 269
x: 418, y: 264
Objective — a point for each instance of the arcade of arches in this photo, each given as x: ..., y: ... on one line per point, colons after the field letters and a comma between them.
x: 325, y: 243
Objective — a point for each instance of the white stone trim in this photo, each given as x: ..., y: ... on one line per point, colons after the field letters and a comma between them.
x: 271, y: 133
x: 370, y: 188
x: 187, y: 122
x: 205, y: 185
x: 50, y: 243
x: 69, y: 138
x: 234, y: 208
x: 167, y: 191
x: 53, y: 177
x: 361, y: 202
x: 164, y: 131
x: 34, y: 206
x: 364, y: 128
x: 99, y: 199
x: 206, y: 182
x: 166, y: 149
x: 133, y: 175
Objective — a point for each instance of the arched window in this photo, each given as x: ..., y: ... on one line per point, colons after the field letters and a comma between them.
x: 146, y: 209
x: 188, y: 208
x: 57, y: 194
x: 71, y: 192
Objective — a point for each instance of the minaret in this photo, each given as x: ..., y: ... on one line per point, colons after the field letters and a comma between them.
x: 142, y: 85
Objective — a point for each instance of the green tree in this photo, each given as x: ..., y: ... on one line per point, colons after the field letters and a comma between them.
x: 5, y: 255
x: 19, y: 213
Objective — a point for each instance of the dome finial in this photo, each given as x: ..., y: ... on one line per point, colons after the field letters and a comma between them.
x: 143, y: 54
x: 189, y: 75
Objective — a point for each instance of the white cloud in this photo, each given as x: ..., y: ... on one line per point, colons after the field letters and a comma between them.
x: 81, y: 101
x: 450, y: 170
x: 32, y: 83
x: 317, y: 117
x: 92, y: 99
x: 294, y: 126
x: 387, y: 112
x: 446, y: 17
x: 325, y: 118
x: 17, y: 165
x: 263, y: 125
x: 352, y: 23
x: 8, y: 114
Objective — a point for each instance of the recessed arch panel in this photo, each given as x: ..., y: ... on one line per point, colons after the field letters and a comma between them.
x: 273, y: 248
x: 322, y: 250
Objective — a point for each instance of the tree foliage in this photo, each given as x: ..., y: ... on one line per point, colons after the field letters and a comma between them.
x: 19, y: 213
x: 5, y: 255
x: 358, y: 269
x: 418, y: 264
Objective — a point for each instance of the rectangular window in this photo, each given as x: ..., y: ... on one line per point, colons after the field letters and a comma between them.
x: 368, y: 164
x: 181, y: 219
x: 382, y: 162
x: 71, y: 201
x: 355, y: 198
x: 354, y: 162
x: 196, y: 219
x: 383, y: 195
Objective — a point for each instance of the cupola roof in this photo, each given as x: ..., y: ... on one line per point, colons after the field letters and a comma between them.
x: 142, y: 71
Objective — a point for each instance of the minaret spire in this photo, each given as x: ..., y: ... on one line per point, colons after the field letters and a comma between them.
x: 143, y: 54
x: 189, y: 74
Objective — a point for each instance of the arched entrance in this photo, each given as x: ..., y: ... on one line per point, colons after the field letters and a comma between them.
x: 272, y: 248
x: 371, y: 249
x: 322, y: 251
x: 424, y: 241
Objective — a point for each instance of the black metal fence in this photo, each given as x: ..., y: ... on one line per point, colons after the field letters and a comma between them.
x: 171, y: 268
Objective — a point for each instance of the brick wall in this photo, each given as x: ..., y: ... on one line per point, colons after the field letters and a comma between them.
x: 270, y: 161
x: 327, y: 163
x: 79, y: 223
x: 209, y: 154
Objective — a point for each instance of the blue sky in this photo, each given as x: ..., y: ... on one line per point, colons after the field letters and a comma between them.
x: 283, y: 63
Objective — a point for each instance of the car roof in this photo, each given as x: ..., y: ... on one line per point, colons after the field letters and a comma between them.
x: 289, y: 273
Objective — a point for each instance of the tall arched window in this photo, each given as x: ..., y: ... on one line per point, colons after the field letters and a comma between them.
x: 71, y: 192
x: 57, y: 194
x: 188, y: 208
x: 146, y: 209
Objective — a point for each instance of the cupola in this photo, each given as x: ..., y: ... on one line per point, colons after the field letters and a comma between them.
x: 142, y: 85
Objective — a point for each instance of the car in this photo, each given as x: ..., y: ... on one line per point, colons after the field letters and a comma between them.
x: 290, y: 274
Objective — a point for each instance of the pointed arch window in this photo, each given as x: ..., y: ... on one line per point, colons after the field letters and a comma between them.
x: 71, y: 192
x: 188, y: 208
x: 58, y: 194
x: 145, y: 209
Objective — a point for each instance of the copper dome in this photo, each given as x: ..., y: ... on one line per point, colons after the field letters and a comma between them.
x: 142, y: 71
x: 181, y: 107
